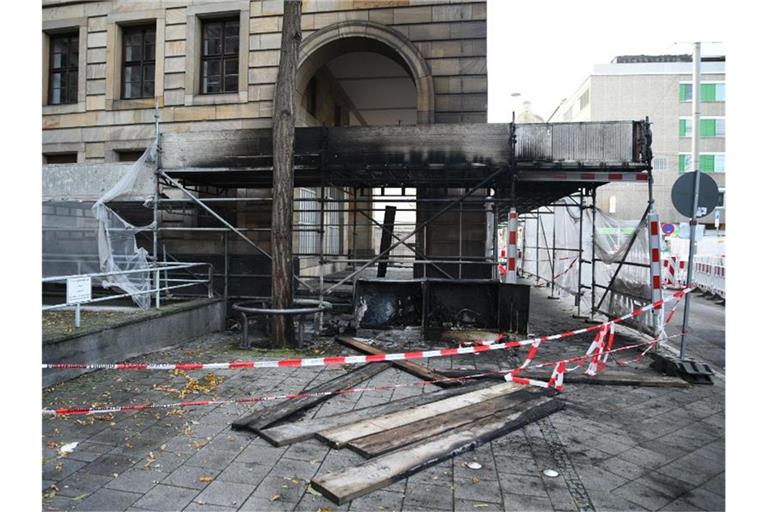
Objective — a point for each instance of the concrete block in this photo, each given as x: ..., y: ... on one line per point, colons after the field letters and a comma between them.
x: 226, y: 493
x: 97, y: 40
x: 266, y: 24
x: 324, y: 19
x: 429, y: 32
x: 468, y: 30
x: 261, y: 92
x: 473, y: 66
x: 448, y: 103
x: 383, y: 16
x: 174, y: 97
x: 96, y: 55
x: 175, y: 48
x: 93, y: 87
x: 97, y: 24
x: 96, y: 71
x: 175, y: 64
x: 474, y: 48
x: 479, y: 11
x: 175, y: 16
x: 451, y: 12
x: 440, y: 49
x: 444, y: 67
x: 474, y: 84
x: 164, y: 497
x: 175, y: 32
x: 269, y: 41
x: 262, y: 75
x: 413, y: 15
x: 94, y: 150
x: 264, y: 58
x: 271, y: 7
x: 447, y: 84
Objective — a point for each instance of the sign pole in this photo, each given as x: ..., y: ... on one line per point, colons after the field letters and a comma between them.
x: 695, y: 163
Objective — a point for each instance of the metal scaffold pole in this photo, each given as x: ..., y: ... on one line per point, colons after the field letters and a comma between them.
x: 695, y: 203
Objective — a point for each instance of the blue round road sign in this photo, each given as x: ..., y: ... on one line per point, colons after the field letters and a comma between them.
x: 667, y: 228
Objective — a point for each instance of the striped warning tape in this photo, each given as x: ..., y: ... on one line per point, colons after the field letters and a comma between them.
x: 485, y: 345
x: 557, y: 384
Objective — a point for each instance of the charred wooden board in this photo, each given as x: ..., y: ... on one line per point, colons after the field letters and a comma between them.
x: 341, y: 436
x: 382, y: 442
x: 624, y: 377
x: 288, y: 433
x: 284, y: 410
x: 414, y: 369
x: 347, y: 484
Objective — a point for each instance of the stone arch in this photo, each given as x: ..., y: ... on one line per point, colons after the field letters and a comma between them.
x: 334, y: 40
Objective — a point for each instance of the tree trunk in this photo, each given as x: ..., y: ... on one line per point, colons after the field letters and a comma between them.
x: 283, y: 129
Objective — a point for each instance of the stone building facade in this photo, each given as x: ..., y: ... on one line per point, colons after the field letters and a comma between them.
x: 210, y: 65
x: 443, y: 44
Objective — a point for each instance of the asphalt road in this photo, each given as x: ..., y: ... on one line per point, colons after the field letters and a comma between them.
x: 706, y: 331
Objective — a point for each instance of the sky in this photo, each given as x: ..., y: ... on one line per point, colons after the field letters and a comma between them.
x: 543, y: 50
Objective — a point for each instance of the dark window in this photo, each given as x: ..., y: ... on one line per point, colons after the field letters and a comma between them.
x: 60, y: 158
x: 220, y: 56
x: 62, y: 80
x: 138, y: 62
x: 129, y: 155
x: 312, y: 96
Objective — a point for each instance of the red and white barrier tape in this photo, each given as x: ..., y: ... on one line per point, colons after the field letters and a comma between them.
x: 556, y: 382
x: 483, y: 346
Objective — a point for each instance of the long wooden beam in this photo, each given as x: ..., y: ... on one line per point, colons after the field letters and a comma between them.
x: 293, y: 432
x: 414, y: 369
x: 269, y: 416
x: 349, y: 483
x: 382, y: 442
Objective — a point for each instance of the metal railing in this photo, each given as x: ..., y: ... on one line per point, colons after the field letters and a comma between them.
x: 157, y: 274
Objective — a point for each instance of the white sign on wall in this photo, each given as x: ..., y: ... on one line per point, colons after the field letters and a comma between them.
x: 78, y: 290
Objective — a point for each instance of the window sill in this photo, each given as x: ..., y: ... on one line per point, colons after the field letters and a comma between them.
x: 68, y: 108
x: 135, y: 103
x: 217, y: 99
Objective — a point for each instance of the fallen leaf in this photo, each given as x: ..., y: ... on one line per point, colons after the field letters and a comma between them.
x: 480, y: 505
x: 311, y: 490
x: 275, y: 497
x: 206, y: 478
x: 475, y: 480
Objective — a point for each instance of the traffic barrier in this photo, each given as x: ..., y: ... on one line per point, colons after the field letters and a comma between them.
x: 709, y: 274
x: 674, y: 272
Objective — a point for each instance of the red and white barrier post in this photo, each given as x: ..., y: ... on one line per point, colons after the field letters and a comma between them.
x: 654, y: 244
x: 511, y: 276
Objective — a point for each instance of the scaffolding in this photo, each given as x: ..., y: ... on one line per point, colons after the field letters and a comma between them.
x: 466, y: 177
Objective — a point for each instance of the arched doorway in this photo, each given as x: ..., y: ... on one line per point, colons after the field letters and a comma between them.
x: 360, y: 74
x: 377, y: 67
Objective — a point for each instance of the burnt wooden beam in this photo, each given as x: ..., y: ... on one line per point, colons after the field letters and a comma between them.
x: 269, y: 416
x: 414, y: 369
x: 386, y: 239
x: 624, y: 377
x: 347, y: 484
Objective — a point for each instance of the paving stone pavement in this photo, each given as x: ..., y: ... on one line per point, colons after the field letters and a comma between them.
x: 616, y: 448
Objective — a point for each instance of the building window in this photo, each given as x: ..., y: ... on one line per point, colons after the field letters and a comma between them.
x: 708, y: 162
x: 584, y: 100
x: 63, y: 68
x: 138, y: 62
x: 220, y: 59
x: 60, y: 158
x: 129, y: 155
x: 708, y: 127
x: 710, y: 92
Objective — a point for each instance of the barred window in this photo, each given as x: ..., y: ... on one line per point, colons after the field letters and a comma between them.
x: 63, y: 68
x: 138, y: 62
x: 220, y: 61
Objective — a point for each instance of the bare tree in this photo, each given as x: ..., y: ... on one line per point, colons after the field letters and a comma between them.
x: 283, y: 133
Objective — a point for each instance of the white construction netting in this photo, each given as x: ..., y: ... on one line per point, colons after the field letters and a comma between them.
x: 84, y: 238
x: 613, y: 237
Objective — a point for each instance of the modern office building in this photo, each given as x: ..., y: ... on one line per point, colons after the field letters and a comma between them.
x: 657, y: 86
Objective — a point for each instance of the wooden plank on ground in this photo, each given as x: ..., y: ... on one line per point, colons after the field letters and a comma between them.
x: 414, y: 369
x: 288, y: 433
x: 340, y: 436
x: 269, y: 416
x: 623, y: 377
x: 382, y: 442
x: 349, y: 483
